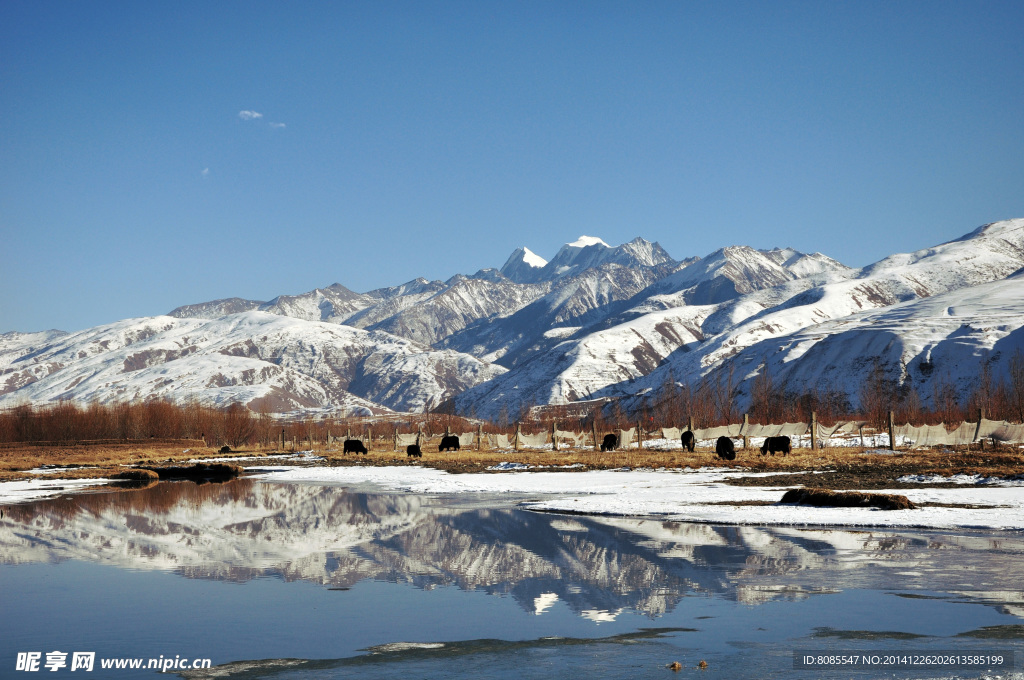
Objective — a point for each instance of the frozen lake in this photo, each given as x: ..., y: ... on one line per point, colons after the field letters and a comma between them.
x: 305, y: 580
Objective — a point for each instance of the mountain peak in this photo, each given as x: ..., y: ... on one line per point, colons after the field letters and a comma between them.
x: 522, y: 265
x: 584, y: 241
x: 533, y: 259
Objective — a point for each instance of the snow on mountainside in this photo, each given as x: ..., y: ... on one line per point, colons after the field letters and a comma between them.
x: 662, y: 333
x: 461, y: 302
x: 731, y: 272
x: 989, y: 254
x: 587, y: 252
x: 520, y: 265
x: 593, y: 321
x: 586, y: 297
x: 216, y: 308
x: 944, y: 337
x: 255, y: 358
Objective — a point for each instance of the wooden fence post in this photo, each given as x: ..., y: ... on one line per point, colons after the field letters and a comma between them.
x: 689, y: 423
x: 814, y: 430
x: 554, y: 435
x: 639, y: 436
x: 369, y: 439
x: 977, y: 430
x: 515, y: 444
x: 479, y: 435
x: 597, y: 444
x: 746, y: 439
x: 892, y: 432
x: 282, y: 440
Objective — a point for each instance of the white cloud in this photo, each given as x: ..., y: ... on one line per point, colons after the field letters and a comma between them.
x: 249, y: 115
x: 205, y: 173
x: 278, y: 125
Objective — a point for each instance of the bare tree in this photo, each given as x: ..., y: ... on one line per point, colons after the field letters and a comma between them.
x: 1015, y: 385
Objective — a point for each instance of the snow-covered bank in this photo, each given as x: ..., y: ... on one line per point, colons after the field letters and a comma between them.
x: 35, y: 489
x: 678, y: 495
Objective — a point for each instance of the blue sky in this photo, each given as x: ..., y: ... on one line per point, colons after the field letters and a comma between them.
x: 398, y: 140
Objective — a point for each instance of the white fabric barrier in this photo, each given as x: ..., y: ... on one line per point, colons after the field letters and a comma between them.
x: 785, y: 429
x: 732, y: 431
x: 850, y: 426
x: 671, y: 433
x: 626, y: 437
x: 498, y: 441
x: 406, y: 439
x: 533, y: 440
x: 963, y: 435
x: 987, y: 427
x: 1008, y: 432
x: 826, y: 431
x: 467, y: 439
x: 924, y: 435
x: 578, y: 440
x: 793, y: 430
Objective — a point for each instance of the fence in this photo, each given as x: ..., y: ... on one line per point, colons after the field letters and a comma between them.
x: 844, y: 433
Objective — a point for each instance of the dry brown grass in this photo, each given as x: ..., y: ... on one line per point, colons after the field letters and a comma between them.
x: 847, y: 499
x: 845, y: 468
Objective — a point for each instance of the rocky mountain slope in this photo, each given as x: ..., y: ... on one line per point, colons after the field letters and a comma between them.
x: 672, y: 330
x: 259, y: 359
x: 594, y: 321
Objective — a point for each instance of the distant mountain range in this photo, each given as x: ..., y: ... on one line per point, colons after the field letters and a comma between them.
x: 594, y: 321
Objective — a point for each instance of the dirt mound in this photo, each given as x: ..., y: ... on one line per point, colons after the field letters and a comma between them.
x: 209, y: 472
x: 847, y: 499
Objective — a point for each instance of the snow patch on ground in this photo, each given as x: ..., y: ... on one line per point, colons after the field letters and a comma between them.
x: 680, y: 495
x: 35, y: 489
x: 513, y: 467
x: 685, y: 495
x: 963, y: 479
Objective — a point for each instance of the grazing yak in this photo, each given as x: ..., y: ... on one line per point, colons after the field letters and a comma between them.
x: 725, y: 449
x: 414, y: 451
x: 773, y: 444
x: 354, y: 446
x: 689, y: 441
x: 225, y: 449
x: 609, y: 443
x: 448, y: 443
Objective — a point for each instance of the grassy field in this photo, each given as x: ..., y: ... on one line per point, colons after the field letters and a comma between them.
x: 842, y: 468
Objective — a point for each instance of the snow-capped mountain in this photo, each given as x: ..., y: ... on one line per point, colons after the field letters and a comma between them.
x: 259, y: 359
x: 594, y: 321
x: 522, y: 265
x: 668, y: 333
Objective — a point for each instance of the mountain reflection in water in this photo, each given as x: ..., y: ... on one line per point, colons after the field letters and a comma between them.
x: 597, y: 566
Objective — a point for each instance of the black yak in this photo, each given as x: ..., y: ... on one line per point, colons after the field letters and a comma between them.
x: 609, y: 443
x: 725, y: 449
x: 354, y: 446
x: 413, y: 450
x: 689, y: 441
x: 773, y: 444
x: 448, y: 443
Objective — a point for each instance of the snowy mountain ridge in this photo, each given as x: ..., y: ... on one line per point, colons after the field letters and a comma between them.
x: 594, y: 321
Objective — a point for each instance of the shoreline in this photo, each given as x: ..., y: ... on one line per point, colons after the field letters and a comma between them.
x: 977, y: 490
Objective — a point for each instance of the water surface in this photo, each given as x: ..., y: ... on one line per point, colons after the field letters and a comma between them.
x: 312, y: 581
